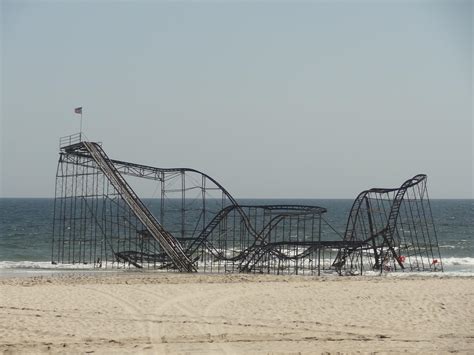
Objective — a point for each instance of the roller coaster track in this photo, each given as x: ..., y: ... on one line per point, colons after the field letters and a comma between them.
x: 120, y: 168
x: 253, y: 254
x: 154, y: 173
x: 202, y: 237
x: 255, y: 251
x: 388, y: 232
x: 207, y: 228
x: 394, y: 213
x: 169, y: 244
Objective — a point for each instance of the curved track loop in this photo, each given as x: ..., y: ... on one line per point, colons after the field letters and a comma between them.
x: 190, y: 230
x: 196, y: 224
x: 388, y: 232
x: 251, y: 255
x: 155, y: 173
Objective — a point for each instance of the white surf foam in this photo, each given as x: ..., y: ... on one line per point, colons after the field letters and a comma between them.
x: 467, y: 261
x: 26, y: 264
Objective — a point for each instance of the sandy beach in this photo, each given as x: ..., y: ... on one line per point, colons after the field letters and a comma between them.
x: 173, y: 313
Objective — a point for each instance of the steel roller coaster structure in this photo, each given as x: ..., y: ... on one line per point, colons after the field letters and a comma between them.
x: 197, y: 226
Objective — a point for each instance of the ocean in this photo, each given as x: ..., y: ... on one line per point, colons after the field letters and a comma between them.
x: 26, y: 231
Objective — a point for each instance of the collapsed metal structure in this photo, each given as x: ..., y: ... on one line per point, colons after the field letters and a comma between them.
x: 196, y: 225
x: 393, y: 229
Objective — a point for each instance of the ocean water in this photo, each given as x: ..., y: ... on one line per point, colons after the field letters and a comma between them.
x: 26, y: 231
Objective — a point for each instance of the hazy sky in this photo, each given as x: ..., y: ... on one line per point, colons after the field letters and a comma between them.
x: 315, y: 99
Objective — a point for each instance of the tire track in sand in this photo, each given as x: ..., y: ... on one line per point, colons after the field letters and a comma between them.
x: 130, y: 308
x: 275, y: 329
x: 177, y: 303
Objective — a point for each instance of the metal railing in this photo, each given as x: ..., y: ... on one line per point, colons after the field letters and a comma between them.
x: 170, y: 245
x: 70, y: 140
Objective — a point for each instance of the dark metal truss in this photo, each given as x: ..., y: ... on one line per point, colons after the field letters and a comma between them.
x: 196, y: 225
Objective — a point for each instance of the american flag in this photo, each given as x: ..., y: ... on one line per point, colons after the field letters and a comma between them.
x: 78, y: 110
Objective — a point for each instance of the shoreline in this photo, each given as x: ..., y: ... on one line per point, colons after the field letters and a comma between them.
x: 30, y: 272
x: 21, y: 273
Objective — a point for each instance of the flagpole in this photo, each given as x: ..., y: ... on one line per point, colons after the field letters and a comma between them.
x: 78, y: 110
x: 80, y: 131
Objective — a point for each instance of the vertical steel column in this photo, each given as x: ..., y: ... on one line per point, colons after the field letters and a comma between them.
x: 183, y: 203
x: 162, y: 199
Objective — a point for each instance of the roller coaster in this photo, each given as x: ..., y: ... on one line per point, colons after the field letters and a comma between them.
x: 195, y: 225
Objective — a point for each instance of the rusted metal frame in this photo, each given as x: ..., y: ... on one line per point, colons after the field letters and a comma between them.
x: 372, y: 232
x: 440, y: 260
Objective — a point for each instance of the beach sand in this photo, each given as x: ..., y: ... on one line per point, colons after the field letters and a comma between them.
x: 176, y: 313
